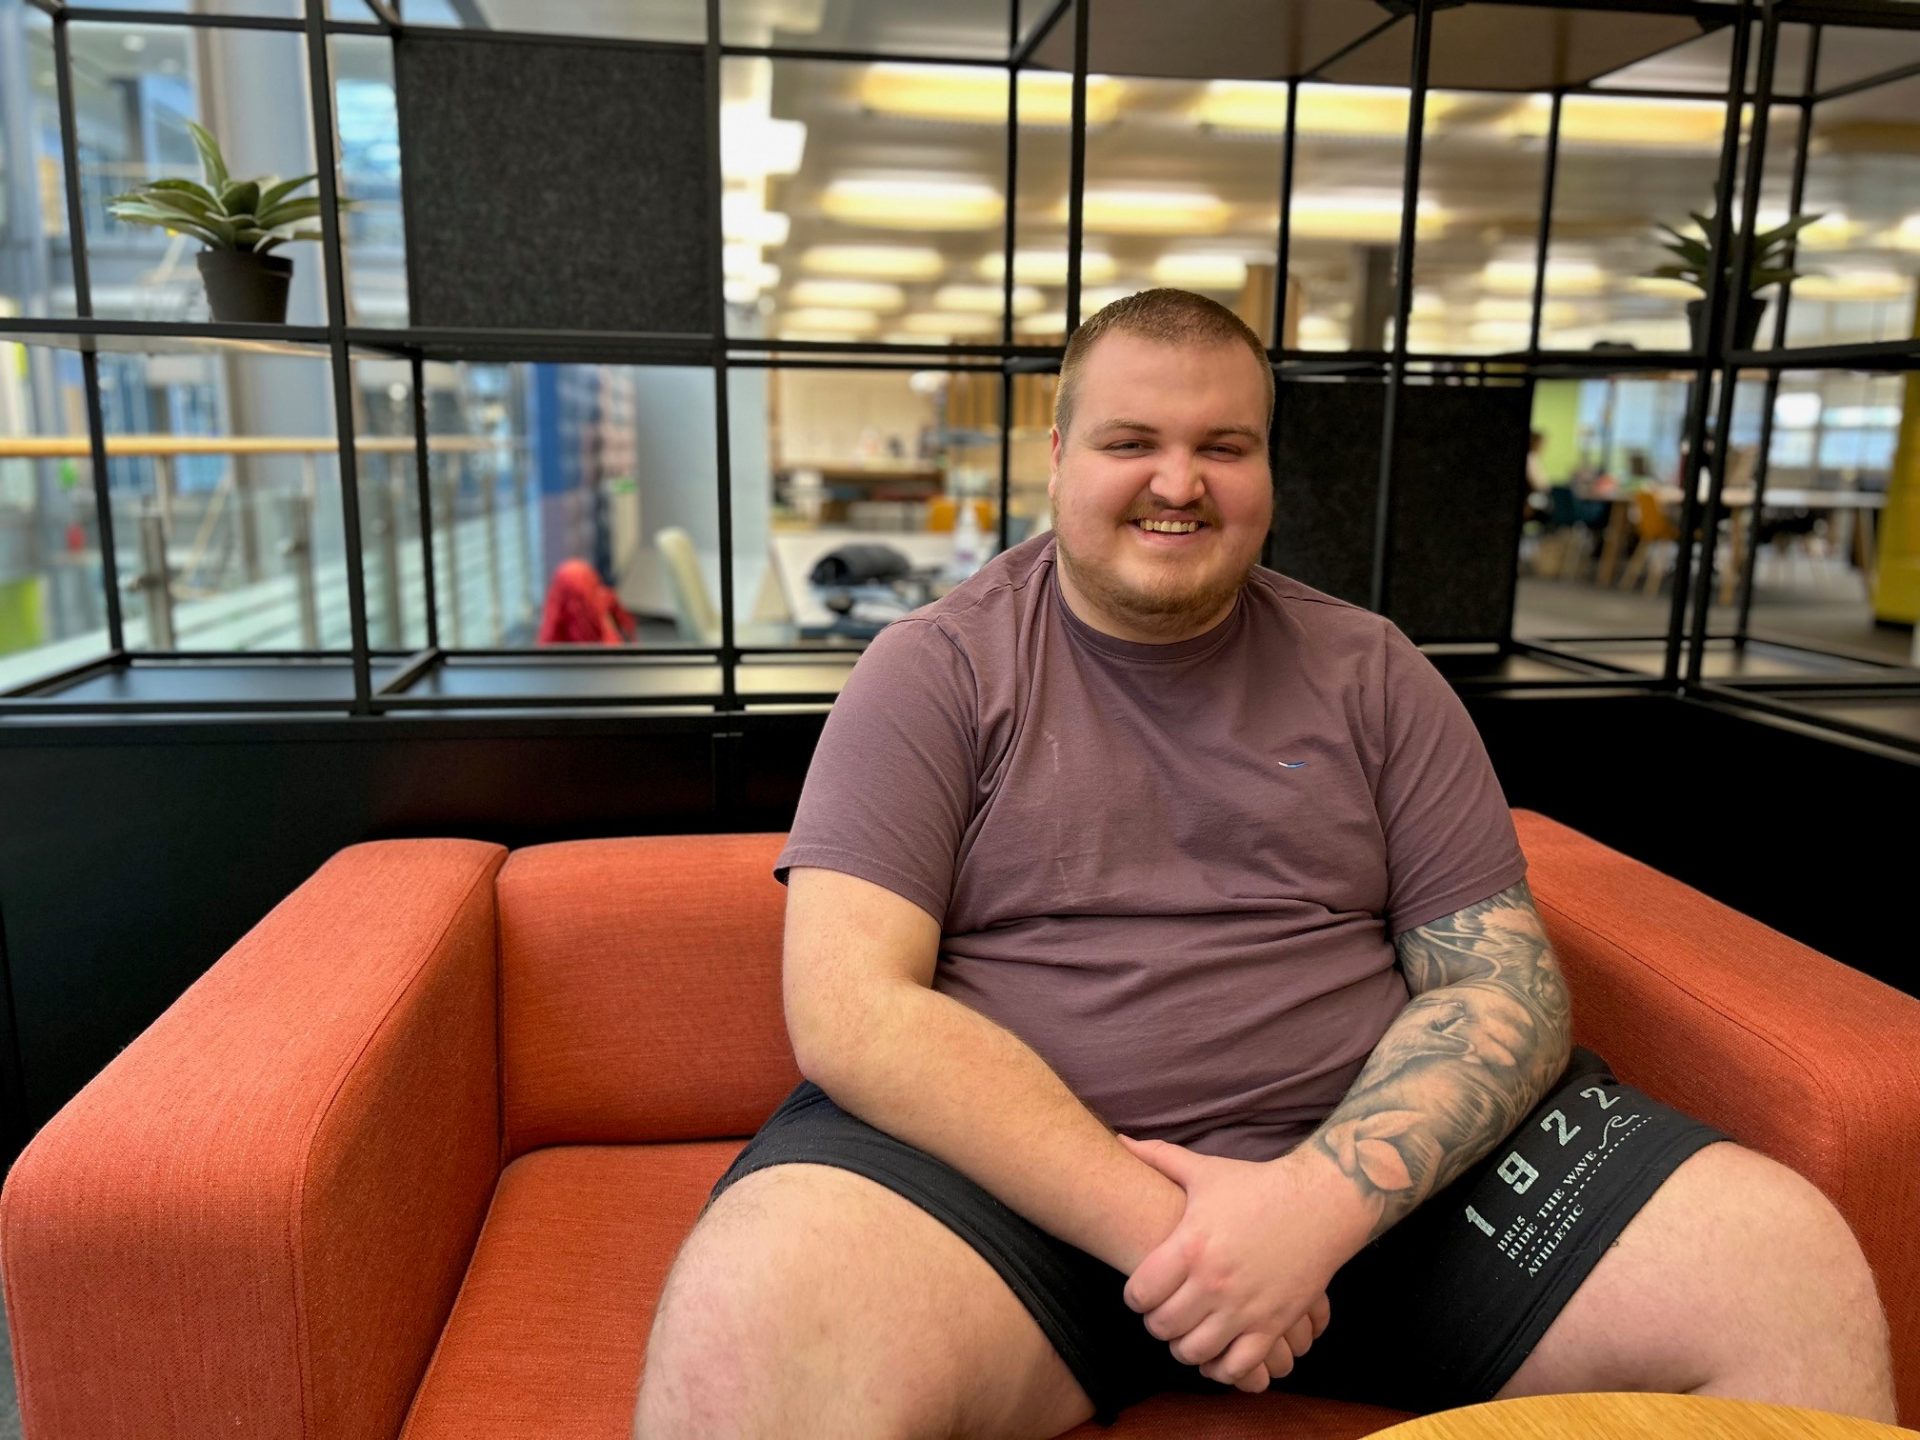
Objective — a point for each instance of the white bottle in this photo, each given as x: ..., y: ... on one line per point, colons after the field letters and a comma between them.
x: 968, y: 543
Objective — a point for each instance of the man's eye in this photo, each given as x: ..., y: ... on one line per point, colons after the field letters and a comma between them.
x: 1232, y: 451
x: 1127, y: 445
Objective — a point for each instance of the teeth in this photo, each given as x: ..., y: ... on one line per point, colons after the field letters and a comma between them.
x: 1170, y: 527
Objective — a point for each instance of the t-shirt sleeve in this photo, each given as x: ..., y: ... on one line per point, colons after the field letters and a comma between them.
x: 891, y: 788
x: 1449, y: 832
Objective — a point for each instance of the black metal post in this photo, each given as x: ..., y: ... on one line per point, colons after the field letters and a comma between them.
x: 1762, y: 465
x: 1709, y: 356
x: 1283, y: 256
x: 1382, y: 578
x: 422, y: 471
x: 1545, y: 237
x: 320, y: 83
x: 722, y: 415
x: 1077, y: 164
x: 1741, y: 258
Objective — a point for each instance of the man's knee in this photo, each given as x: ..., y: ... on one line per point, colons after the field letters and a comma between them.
x: 755, y: 1335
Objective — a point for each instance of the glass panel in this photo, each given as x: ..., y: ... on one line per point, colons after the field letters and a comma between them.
x: 1183, y: 190
x: 36, y: 260
x: 969, y: 28
x: 544, y: 477
x: 825, y: 458
x: 224, y: 478
x: 1625, y: 165
x: 1043, y: 167
x: 394, y: 563
x: 1861, y: 260
x: 1830, y: 466
x: 1348, y: 188
x: 375, y: 230
x: 135, y: 89
x: 52, y: 601
x: 1597, y: 547
x: 862, y: 201
x: 1479, y: 212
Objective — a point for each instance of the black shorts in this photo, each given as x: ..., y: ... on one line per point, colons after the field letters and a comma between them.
x: 1438, y: 1312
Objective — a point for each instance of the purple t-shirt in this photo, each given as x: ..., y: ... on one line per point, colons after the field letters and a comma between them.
x: 1174, y: 871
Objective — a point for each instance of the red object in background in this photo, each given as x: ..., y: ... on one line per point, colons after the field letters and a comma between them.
x: 581, y: 610
x: 76, y: 538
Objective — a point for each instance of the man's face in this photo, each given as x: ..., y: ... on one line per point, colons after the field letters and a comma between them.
x: 1161, y: 432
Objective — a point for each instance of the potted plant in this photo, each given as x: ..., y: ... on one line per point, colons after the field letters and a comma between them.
x: 1767, y: 265
x: 240, y: 221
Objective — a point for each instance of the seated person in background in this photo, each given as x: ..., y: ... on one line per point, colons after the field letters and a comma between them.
x: 582, y: 610
x: 1537, y: 482
x: 1128, y: 833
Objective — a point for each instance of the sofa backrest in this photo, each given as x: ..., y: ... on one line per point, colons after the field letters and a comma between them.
x: 640, y: 990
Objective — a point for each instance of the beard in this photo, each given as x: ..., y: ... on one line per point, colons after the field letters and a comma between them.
x: 1172, y: 608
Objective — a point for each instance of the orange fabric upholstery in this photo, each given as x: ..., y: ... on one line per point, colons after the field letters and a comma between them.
x: 1790, y: 1052
x: 253, y: 1222
x: 257, y: 1219
x: 640, y: 990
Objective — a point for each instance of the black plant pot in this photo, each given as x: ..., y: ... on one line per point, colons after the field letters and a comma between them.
x: 245, y: 286
x: 1748, y: 326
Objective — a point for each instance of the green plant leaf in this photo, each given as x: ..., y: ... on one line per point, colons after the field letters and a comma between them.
x: 165, y: 220
x: 211, y: 159
x: 1782, y: 235
x: 289, y: 211
x: 1694, y: 254
x: 1675, y: 272
x: 186, y: 187
x: 1763, y: 278
x: 240, y: 197
x: 1705, y: 222
x: 274, y: 194
x: 186, y: 204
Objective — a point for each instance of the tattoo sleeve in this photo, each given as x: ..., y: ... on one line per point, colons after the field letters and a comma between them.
x: 1487, y: 1031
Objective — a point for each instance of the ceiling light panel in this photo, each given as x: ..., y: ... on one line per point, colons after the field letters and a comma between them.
x: 879, y: 262
x: 973, y: 95
x: 913, y: 204
x: 847, y: 294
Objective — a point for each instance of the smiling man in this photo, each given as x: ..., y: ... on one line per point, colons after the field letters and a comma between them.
x: 1175, y: 1015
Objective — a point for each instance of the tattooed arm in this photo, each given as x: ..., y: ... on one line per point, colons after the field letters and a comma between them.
x: 1487, y: 1031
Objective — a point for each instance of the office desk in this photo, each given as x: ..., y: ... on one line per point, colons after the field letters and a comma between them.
x: 1738, y: 502
x: 786, y: 593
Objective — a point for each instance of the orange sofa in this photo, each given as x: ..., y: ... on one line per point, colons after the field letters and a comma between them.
x: 414, y: 1156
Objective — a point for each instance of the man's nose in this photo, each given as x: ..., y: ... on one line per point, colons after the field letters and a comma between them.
x: 1181, y: 481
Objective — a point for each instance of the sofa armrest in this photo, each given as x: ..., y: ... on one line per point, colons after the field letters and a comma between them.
x: 254, y: 1220
x: 1787, y: 1050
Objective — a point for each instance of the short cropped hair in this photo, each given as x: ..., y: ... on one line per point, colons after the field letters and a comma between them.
x: 1174, y: 317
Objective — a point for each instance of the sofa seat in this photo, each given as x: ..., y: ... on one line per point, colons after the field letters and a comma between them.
x: 551, y: 1322
x: 414, y: 1156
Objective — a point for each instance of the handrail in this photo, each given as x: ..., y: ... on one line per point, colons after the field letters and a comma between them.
x: 32, y: 447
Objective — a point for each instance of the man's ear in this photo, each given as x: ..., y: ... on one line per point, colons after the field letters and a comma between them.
x: 1053, y: 460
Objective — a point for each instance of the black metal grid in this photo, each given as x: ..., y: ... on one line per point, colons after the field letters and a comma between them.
x: 1714, y: 365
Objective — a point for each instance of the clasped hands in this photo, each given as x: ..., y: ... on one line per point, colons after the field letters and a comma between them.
x: 1239, y: 1286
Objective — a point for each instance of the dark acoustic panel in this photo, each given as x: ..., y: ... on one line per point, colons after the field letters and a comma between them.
x: 1326, y: 476
x: 555, y: 186
x: 1459, y: 483
x: 1460, y: 480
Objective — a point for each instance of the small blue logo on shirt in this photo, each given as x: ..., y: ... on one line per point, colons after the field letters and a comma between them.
x: 1289, y: 764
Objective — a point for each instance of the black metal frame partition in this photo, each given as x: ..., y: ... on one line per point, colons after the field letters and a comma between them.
x: 1714, y: 365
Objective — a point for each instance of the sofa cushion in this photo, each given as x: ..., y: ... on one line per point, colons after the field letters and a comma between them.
x: 549, y: 1333
x: 640, y: 990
